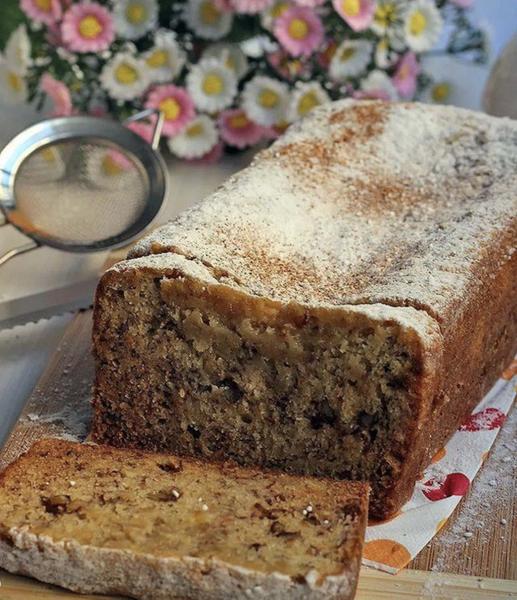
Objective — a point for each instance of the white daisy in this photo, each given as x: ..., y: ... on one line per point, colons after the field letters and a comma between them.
x: 206, y: 20
x: 165, y: 59
x: 384, y: 56
x: 270, y: 14
x: 110, y: 170
x: 265, y: 99
x: 211, y: 85
x: 350, y: 59
x: 46, y: 164
x: 125, y: 77
x: 231, y: 55
x: 389, y: 14
x: 304, y: 98
x: 13, y: 89
x: 439, y: 92
x: 198, y: 138
x: 378, y: 81
x: 18, y: 50
x: 422, y: 25
x: 134, y: 18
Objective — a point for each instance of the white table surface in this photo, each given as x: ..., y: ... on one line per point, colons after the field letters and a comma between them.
x: 25, y: 350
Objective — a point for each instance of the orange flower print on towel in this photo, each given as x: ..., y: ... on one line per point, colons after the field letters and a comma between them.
x: 438, y: 456
x: 486, y: 420
x: 387, y: 552
x: 510, y: 370
x: 455, y: 484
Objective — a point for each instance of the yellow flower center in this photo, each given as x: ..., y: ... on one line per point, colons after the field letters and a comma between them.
x: 351, y: 8
x: 268, y: 98
x: 157, y: 59
x: 195, y: 130
x: 298, y: 29
x: 90, y: 27
x: 307, y: 102
x: 126, y: 74
x: 110, y: 166
x: 417, y: 23
x: 212, y: 84
x: 239, y: 121
x: 170, y: 108
x: 136, y: 13
x: 440, y: 92
x: 14, y: 81
x: 279, y: 9
x: 209, y: 13
x: 347, y: 53
x: 48, y: 154
x: 45, y: 5
x: 385, y: 15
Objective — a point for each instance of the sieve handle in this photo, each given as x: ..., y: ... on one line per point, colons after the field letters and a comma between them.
x: 157, y: 131
x: 27, y: 247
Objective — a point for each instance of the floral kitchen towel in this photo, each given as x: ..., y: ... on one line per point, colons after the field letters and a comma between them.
x: 392, y: 544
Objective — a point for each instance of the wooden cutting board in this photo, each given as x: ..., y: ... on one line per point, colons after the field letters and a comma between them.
x: 483, y: 568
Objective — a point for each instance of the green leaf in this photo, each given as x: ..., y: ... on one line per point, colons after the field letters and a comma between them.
x: 11, y: 16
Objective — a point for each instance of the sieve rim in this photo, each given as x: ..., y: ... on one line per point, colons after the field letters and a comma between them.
x: 62, y: 129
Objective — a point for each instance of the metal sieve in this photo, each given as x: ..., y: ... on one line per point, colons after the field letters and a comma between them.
x: 81, y: 184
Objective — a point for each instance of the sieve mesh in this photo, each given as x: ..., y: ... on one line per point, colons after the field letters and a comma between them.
x: 79, y: 191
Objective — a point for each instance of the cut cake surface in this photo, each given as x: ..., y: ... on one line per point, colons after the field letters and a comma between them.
x: 103, y: 520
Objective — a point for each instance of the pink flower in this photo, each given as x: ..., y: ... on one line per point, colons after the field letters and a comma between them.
x: 463, y: 3
x: 58, y: 92
x: 371, y: 95
x: 406, y: 74
x: 237, y: 130
x: 53, y: 35
x: 42, y: 11
x: 98, y: 111
x: 224, y: 6
x: 144, y: 130
x: 310, y: 3
x: 299, y: 30
x: 176, y: 106
x: 250, y: 6
x: 87, y: 27
x: 274, y: 132
x: 211, y: 157
x: 357, y: 13
x: 288, y: 67
x: 325, y: 55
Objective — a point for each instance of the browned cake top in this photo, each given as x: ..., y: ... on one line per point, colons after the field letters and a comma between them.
x: 360, y: 203
x: 170, y: 507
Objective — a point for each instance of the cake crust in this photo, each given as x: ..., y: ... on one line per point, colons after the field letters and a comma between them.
x: 362, y: 207
x: 105, y: 531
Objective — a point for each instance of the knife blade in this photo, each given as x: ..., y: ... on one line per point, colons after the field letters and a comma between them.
x: 44, y: 305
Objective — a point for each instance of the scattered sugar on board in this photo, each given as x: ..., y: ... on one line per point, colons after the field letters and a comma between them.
x: 467, y: 530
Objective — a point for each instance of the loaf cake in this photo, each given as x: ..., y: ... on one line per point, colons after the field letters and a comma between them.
x: 337, y: 308
x: 156, y: 527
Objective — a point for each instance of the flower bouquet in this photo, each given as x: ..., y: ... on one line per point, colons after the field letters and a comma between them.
x: 227, y: 73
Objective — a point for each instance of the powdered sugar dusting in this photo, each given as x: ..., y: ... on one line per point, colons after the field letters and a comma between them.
x: 469, y: 522
x: 361, y: 203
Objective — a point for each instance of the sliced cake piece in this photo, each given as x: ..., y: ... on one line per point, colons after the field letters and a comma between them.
x: 97, y: 519
x: 337, y: 308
